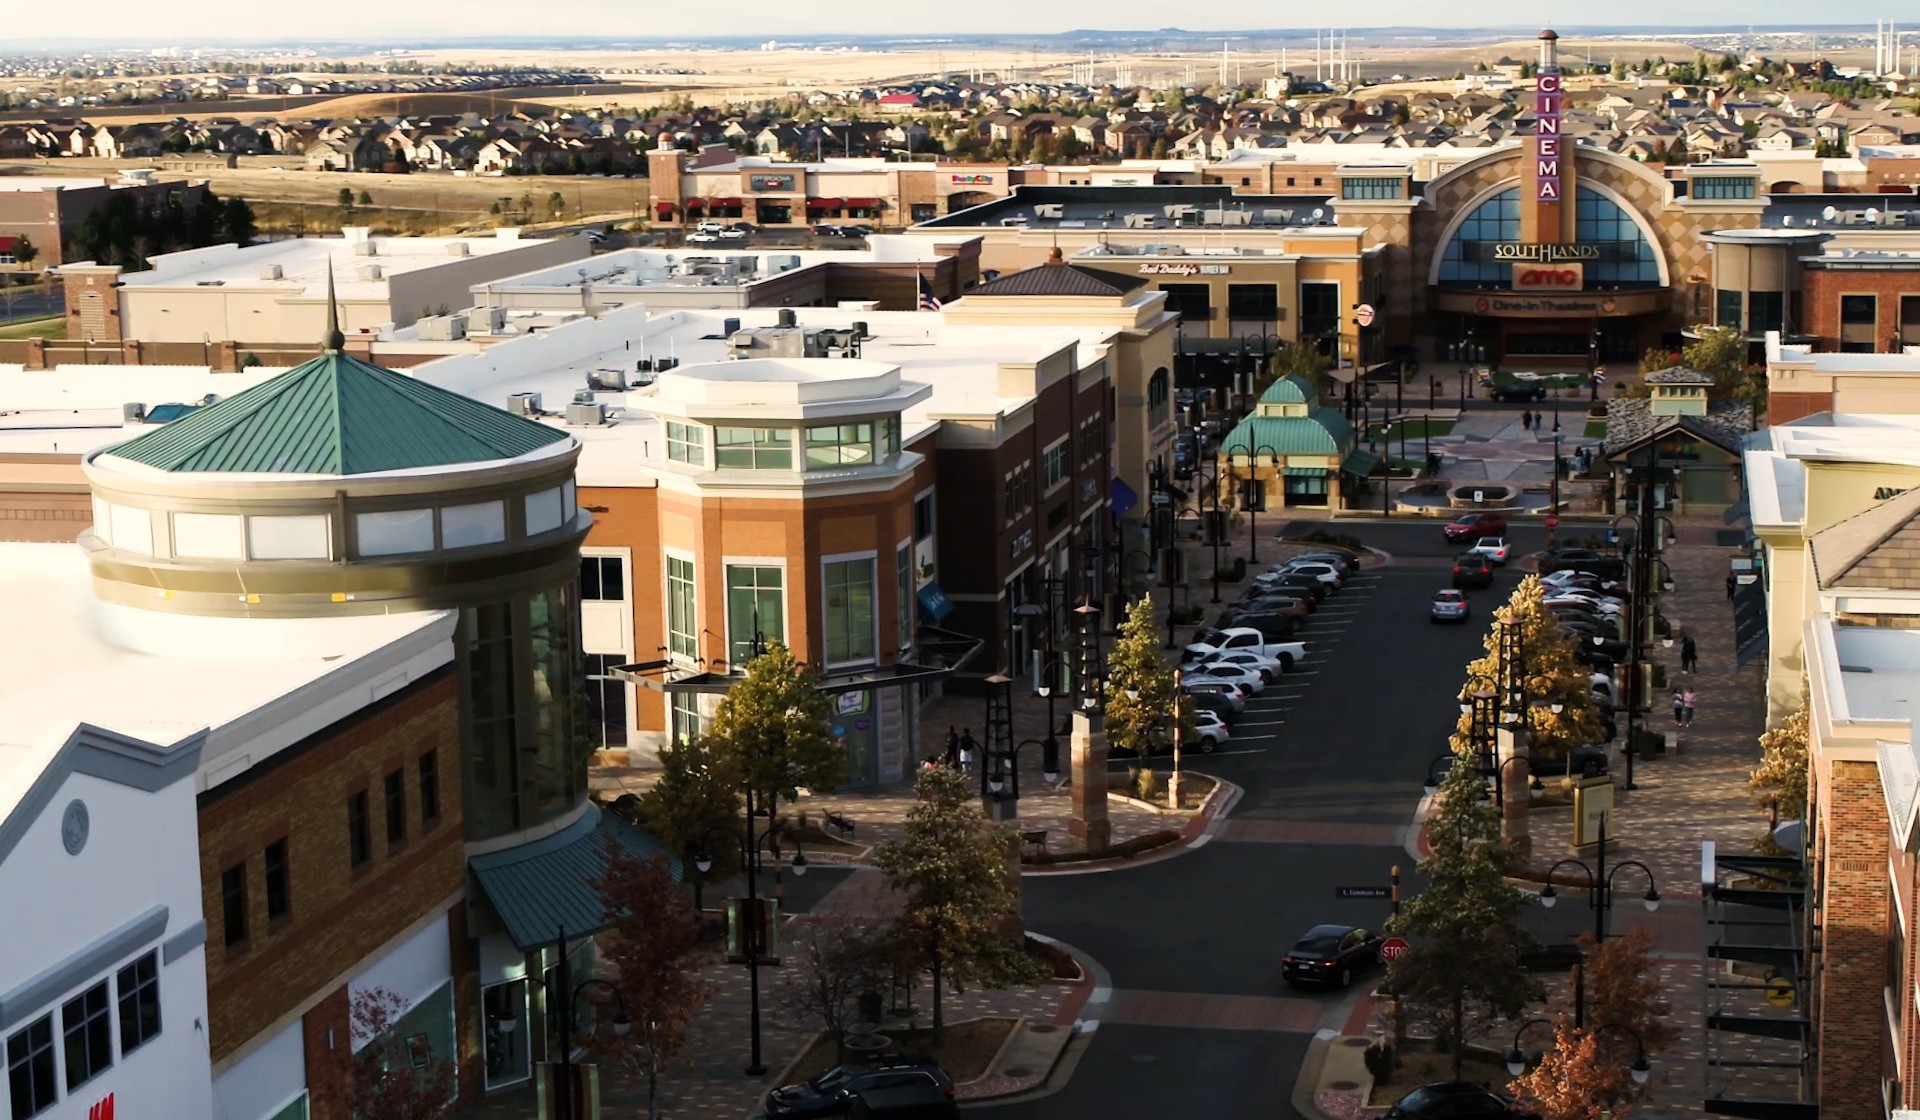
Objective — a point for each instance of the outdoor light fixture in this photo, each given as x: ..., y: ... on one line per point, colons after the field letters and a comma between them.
x: 622, y: 1024
x: 1548, y: 896
x: 1516, y: 1062
x: 1043, y: 691
x: 1640, y: 1070
x: 1052, y: 776
x: 799, y: 863
x: 1666, y: 643
x: 1465, y: 708
x: 993, y: 782
x: 1556, y: 707
x: 1652, y: 900
x: 506, y: 1024
x: 703, y: 861
x: 1598, y: 640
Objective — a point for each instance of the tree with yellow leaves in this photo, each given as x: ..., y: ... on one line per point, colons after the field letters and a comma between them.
x: 1576, y: 1080
x: 1549, y: 675
x: 1780, y: 781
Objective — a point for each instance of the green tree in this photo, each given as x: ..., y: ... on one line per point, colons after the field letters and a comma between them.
x: 1780, y: 781
x: 1300, y: 360
x: 1463, y: 970
x: 1720, y: 351
x: 237, y: 221
x: 774, y: 730
x: 1552, y: 676
x: 24, y: 250
x: 694, y: 808
x: 366, y: 198
x: 385, y: 1078
x: 346, y: 200
x: 1140, y: 684
x: 556, y: 202
x: 951, y: 868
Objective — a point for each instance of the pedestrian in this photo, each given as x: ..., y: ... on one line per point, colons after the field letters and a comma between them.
x: 953, y: 747
x: 1539, y: 420
x: 966, y: 748
x: 1733, y: 581
x: 1526, y: 420
x: 1679, y: 708
x: 1692, y: 701
x: 1689, y: 655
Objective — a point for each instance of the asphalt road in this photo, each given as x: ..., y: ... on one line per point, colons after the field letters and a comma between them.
x: 1344, y: 741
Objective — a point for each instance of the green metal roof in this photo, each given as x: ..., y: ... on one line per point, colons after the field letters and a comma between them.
x: 1360, y: 462
x: 542, y: 887
x: 1322, y: 432
x: 1291, y: 389
x: 341, y: 416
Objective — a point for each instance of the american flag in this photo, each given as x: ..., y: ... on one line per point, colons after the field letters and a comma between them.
x: 928, y: 301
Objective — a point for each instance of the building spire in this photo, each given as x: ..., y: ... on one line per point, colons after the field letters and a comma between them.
x: 334, y: 340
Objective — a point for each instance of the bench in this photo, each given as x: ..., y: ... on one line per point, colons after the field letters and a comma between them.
x: 1034, y: 836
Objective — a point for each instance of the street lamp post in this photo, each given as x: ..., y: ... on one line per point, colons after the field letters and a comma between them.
x: 568, y: 993
x: 1600, y: 898
x: 1253, y: 494
x: 1640, y: 1070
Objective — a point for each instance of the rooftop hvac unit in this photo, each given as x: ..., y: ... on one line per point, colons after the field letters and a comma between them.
x: 788, y: 317
x: 783, y: 262
x: 368, y: 272
x: 742, y: 340
x: 365, y: 249
x: 524, y: 404
x: 662, y: 365
x: 583, y: 396
x: 132, y: 411
x: 586, y: 414
x: 442, y: 328
x: 730, y: 326
x: 273, y: 272
x: 611, y: 380
x: 860, y: 329
x: 459, y: 249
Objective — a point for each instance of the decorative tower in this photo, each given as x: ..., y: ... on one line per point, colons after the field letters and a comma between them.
x: 1547, y: 178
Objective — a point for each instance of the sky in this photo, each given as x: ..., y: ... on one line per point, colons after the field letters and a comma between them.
x: 135, y: 22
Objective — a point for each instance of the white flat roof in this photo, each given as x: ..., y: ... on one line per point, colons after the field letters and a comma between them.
x: 701, y: 265
x: 24, y: 183
x: 1800, y: 357
x: 75, y: 409
x: 67, y: 659
x: 304, y: 261
x: 1878, y: 672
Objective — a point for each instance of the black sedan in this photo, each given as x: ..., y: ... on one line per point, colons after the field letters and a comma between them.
x: 1451, y: 1100
x: 1330, y: 955
x: 834, y: 1092
x: 1583, y: 560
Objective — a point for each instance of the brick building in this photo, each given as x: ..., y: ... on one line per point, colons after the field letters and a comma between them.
x: 1862, y: 303
x: 47, y: 212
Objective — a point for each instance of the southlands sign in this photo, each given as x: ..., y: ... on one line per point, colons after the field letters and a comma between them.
x: 1548, y: 278
x: 1520, y: 251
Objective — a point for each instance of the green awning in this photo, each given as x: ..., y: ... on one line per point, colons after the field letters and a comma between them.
x: 540, y: 888
x: 1304, y: 472
x: 1360, y: 462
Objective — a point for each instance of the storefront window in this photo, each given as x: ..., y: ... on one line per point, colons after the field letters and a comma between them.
x: 559, y: 763
x: 503, y: 1012
x: 849, y: 611
x: 522, y: 692
x: 606, y: 699
x: 756, y: 605
x: 682, y: 641
x: 1766, y: 312
x: 1727, y: 307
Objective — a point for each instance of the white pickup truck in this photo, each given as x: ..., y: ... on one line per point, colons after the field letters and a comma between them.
x: 1214, y: 642
x: 1495, y: 549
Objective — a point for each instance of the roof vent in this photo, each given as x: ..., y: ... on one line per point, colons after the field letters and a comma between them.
x: 524, y: 404
x: 459, y: 249
x: 788, y: 318
x: 368, y: 272
x: 365, y: 249
x: 273, y: 272
x: 133, y: 411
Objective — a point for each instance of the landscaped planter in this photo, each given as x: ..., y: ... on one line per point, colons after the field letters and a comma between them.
x: 1486, y: 495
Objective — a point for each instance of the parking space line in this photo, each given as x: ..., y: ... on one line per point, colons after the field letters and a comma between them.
x: 1265, y: 723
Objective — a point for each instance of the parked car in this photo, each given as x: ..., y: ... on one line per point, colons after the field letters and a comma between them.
x: 833, y: 1092
x: 1214, y: 704
x: 1521, y: 391
x: 1288, y: 583
x: 1269, y: 668
x: 1275, y: 627
x: 1451, y: 1100
x: 1347, y: 561
x: 1582, y: 560
x: 1330, y: 574
x: 708, y: 226
x: 1330, y: 955
x: 1230, y: 690
x: 703, y: 238
x: 1276, y: 603
x: 828, y: 229
x: 906, y: 1102
x: 1593, y: 604
x: 1473, y: 526
x: 1213, y: 642
x: 1449, y: 606
x: 1472, y: 570
x: 734, y: 235
x: 1254, y: 680
x: 1590, y: 760
x: 859, y: 229
x: 1493, y: 548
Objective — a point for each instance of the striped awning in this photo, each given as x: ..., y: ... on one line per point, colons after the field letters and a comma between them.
x: 1304, y: 472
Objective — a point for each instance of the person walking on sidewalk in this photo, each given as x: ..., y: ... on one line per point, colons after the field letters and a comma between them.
x: 1733, y: 582
x: 1679, y: 708
x: 1691, y: 700
x: 1526, y: 420
x: 966, y: 748
x: 1689, y: 655
x: 953, y: 748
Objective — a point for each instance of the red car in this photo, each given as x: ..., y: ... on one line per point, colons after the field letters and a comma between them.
x: 1473, y: 526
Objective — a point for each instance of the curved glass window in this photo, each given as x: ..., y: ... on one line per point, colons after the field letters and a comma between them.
x: 522, y: 691
x: 1625, y: 256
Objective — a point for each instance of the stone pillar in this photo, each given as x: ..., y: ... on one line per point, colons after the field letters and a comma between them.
x: 226, y: 356
x: 36, y: 353
x: 1089, y: 825
x: 1514, y: 793
x: 130, y: 351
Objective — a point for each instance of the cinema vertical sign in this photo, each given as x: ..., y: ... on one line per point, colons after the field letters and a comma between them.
x: 1548, y: 182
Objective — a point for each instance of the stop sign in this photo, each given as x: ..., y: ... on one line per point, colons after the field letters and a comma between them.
x: 1363, y: 314
x: 1552, y: 521
x: 1392, y: 947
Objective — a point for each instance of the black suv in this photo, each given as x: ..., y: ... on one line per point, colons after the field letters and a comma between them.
x: 1521, y: 391
x: 834, y: 1092
x: 1472, y: 569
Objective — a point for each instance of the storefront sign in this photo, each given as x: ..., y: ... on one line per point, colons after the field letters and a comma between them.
x: 1548, y: 278
x: 1518, y: 251
x: 1542, y: 305
x: 1168, y: 268
x: 1546, y: 138
x: 971, y: 180
x: 771, y: 182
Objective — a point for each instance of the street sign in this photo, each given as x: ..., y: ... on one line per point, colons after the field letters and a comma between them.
x: 1553, y: 522
x: 1392, y: 948
x: 1780, y: 992
x: 1363, y: 892
x: 1363, y: 314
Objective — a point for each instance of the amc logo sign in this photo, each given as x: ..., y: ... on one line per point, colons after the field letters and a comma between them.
x: 1548, y: 278
x: 102, y: 1110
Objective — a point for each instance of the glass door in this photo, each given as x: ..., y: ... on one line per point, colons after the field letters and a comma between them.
x: 503, y: 1020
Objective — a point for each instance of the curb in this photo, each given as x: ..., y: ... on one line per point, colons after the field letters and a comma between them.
x: 1079, y: 1013
x: 1199, y: 830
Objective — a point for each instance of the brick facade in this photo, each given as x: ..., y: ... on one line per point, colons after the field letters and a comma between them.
x: 1820, y: 303
x: 1850, y: 971
x: 338, y: 914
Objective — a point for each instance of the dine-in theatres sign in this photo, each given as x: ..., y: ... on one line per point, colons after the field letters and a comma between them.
x: 1546, y: 136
